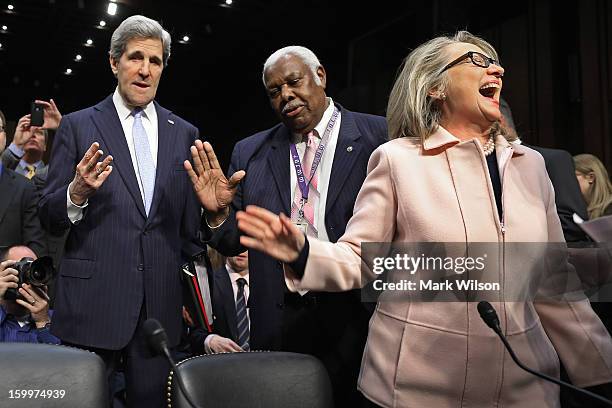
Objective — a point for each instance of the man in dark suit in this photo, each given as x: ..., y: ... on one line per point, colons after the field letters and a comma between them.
x: 331, y: 326
x: 225, y: 300
x: 561, y: 171
x: 19, y: 224
x: 131, y: 224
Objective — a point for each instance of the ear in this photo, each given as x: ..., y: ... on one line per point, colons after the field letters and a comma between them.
x: 322, y: 76
x: 113, y: 65
x: 590, y: 177
x: 436, y: 93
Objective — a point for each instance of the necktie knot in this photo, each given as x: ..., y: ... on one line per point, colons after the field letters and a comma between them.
x: 31, y: 171
x: 241, y: 282
x: 311, y: 138
x: 137, y: 112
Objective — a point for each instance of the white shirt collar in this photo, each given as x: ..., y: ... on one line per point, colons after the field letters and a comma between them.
x: 320, y: 127
x: 234, y: 276
x: 124, y: 110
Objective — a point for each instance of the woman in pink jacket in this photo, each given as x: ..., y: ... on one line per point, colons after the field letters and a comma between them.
x: 449, y: 175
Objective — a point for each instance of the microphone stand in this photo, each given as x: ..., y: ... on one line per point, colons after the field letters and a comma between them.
x: 488, y: 314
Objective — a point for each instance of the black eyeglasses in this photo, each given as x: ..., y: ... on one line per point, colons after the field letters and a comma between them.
x: 477, y: 58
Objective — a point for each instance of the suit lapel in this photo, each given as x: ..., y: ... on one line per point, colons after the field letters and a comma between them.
x: 348, y: 149
x: 165, y: 151
x: 278, y: 160
x: 107, y: 121
x: 6, y: 185
x: 229, y: 305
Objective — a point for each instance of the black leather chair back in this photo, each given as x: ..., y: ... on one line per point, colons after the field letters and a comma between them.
x: 254, y: 380
x: 64, y: 377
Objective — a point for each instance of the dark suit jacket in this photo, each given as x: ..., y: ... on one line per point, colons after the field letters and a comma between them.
x: 265, y: 158
x: 224, y: 312
x: 116, y: 258
x: 11, y: 161
x: 568, y: 198
x: 19, y: 224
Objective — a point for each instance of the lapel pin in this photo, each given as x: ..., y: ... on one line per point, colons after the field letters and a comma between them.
x: 171, y: 122
x: 349, y: 149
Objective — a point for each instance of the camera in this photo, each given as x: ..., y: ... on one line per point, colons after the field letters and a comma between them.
x: 37, y: 273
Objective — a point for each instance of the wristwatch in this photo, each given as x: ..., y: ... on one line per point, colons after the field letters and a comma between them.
x: 46, y: 326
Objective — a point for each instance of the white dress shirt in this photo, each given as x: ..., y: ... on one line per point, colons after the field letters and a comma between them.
x: 234, y: 276
x: 149, y: 122
x: 324, y: 168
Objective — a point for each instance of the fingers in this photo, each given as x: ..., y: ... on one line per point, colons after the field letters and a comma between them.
x: 89, y: 153
x: 91, y: 163
x: 252, y: 226
x: 261, y: 213
x: 251, y: 243
x: 53, y: 105
x: 44, y: 103
x: 233, y: 346
x: 236, y: 178
x: 202, y: 155
x: 100, y: 167
x: 212, y: 157
x: 104, y: 175
x: 197, y: 161
x: 192, y: 174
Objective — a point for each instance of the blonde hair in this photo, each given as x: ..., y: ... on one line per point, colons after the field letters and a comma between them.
x: 411, y: 112
x: 599, y: 196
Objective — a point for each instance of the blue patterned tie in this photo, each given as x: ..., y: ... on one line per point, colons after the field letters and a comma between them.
x: 146, y: 166
x: 241, y: 316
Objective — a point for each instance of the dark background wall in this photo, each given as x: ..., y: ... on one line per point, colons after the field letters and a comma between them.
x: 556, y: 58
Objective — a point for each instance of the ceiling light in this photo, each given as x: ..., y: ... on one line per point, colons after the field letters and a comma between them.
x: 228, y: 2
x: 68, y: 71
x: 4, y: 28
x: 89, y: 41
x: 78, y: 57
x: 112, y: 9
x: 186, y: 38
x: 10, y: 7
x: 0, y: 45
x: 102, y: 23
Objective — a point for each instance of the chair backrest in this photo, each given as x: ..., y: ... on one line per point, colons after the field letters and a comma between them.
x: 254, y: 380
x: 45, y: 375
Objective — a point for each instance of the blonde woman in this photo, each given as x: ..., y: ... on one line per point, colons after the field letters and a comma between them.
x: 594, y: 184
x: 446, y: 177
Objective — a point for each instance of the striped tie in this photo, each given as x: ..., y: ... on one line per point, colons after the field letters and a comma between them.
x: 144, y: 159
x: 241, y: 316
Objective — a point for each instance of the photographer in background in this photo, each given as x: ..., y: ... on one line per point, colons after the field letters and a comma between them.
x: 27, y: 319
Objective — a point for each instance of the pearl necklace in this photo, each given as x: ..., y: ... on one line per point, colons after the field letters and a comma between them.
x: 489, y: 146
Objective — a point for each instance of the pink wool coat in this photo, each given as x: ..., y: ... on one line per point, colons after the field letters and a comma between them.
x: 441, y: 354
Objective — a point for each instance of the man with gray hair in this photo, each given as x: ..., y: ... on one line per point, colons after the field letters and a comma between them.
x: 132, y: 224
x: 311, y: 166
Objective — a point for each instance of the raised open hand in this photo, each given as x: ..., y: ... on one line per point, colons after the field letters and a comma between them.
x: 267, y: 232
x: 90, y: 174
x: 213, y: 189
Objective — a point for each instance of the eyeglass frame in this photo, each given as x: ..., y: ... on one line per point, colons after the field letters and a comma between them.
x: 470, y: 55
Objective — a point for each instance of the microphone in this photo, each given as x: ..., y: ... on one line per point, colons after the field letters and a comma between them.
x: 158, y: 341
x: 489, y: 316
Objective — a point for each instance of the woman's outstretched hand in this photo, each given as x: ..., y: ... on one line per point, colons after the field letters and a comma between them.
x: 269, y: 233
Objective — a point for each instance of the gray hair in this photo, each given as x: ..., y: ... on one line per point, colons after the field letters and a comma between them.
x: 138, y: 27
x: 411, y: 112
x: 309, y: 58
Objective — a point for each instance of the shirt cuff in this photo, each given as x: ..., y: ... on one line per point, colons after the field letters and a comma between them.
x: 16, y: 150
x: 207, y: 341
x: 299, y: 265
x: 75, y: 212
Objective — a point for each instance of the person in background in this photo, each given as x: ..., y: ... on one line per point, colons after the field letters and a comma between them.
x: 28, y: 318
x: 595, y: 185
x: 25, y: 153
x: 19, y: 223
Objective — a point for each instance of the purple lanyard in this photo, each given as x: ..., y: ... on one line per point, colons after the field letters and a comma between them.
x: 295, y: 158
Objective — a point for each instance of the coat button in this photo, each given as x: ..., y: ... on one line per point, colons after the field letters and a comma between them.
x: 141, y: 267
